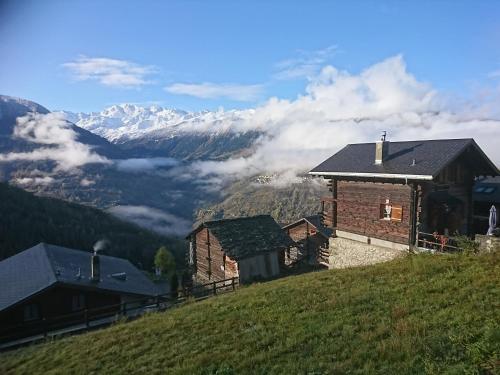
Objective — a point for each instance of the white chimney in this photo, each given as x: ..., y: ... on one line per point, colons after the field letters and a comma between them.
x: 381, y: 149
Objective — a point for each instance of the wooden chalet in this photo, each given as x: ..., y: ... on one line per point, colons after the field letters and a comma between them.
x: 249, y: 248
x: 393, y: 195
x: 311, y: 241
x: 49, y: 282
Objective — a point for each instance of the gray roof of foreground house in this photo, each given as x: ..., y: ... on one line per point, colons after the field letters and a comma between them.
x: 245, y: 237
x: 358, y: 160
x: 43, y: 266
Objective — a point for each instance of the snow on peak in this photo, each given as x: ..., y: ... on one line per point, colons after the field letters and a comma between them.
x: 121, y: 122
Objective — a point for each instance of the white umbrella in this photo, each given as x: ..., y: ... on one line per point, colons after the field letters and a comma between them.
x: 493, y: 220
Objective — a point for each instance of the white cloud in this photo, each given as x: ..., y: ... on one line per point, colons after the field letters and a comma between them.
x: 58, y: 138
x: 207, y: 90
x: 86, y: 182
x: 306, y: 65
x: 153, y: 219
x: 110, y: 72
x: 340, y: 108
x: 47, y: 180
x: 144, y: 164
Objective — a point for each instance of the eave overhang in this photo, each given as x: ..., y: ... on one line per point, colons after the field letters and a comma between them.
x: 374, y: 175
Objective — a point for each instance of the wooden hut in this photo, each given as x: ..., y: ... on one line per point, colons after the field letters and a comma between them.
x: 311, y: 239
x: 249, y: 248
x: 387, y: 197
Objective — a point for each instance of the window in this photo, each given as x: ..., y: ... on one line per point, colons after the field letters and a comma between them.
x: 78, y: 302
x: 31, y: 312
x: 391, y: 212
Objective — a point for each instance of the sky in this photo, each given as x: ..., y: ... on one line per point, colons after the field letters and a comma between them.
x: 194, y: 55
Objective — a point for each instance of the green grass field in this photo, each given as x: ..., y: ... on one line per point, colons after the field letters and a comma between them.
x: 421, y: 314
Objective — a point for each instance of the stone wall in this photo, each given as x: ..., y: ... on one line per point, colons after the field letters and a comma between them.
x: 346, y: 252
x: 488, y: 244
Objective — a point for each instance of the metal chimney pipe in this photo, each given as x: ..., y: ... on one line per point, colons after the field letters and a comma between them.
x: 95, y: 268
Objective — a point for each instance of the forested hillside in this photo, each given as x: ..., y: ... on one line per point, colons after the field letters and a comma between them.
x: 26, y: 220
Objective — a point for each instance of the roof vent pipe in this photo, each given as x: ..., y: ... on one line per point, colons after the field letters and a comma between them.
x: 381, y: 149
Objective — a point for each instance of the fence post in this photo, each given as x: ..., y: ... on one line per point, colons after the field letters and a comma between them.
x: 86, y: 317
x: 215, y: 288
x: 232, y: 283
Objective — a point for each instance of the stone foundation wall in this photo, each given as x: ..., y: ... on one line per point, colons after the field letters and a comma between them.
x: 488, y: 244
x: 346, y: 252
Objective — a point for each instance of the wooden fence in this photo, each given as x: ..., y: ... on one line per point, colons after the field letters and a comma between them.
x: 437, y: 242
x: 84, y: 320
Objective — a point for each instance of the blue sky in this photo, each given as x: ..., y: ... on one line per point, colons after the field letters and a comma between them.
x: 85, y: 55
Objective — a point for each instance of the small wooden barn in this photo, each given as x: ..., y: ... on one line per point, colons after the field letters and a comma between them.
x: 311, y: 239
x: 395, y: 195
x: 249, y: 248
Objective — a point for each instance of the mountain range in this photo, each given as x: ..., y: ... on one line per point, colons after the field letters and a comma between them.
x: 155, y: 131
x: 146, y: 152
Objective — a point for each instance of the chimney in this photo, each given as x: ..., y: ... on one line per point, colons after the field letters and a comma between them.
x: 381, y: 149
x: 95, y: 268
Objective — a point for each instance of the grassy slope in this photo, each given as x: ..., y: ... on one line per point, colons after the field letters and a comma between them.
x: 415, y: 315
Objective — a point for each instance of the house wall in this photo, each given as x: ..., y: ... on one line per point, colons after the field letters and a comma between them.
x: 358, y: 209
x: 55, y: 302
x: 209, y: 257
x: 262, y: 266
x: 456, y: 180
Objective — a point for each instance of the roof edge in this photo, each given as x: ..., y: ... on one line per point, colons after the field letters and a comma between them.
x: 374, y: 175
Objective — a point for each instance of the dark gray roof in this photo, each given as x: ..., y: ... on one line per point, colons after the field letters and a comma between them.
x: 43, y: 265
x: 430, y: 158
x: 248, y: 236
x: 314, y: 220
x: 487, y: 190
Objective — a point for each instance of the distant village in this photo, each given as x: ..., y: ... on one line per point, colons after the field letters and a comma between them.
x: 385, y: 200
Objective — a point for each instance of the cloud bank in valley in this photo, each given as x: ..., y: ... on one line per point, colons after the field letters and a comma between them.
x: 153, y: 219
x: 340, y: 108
x: 57, y: 139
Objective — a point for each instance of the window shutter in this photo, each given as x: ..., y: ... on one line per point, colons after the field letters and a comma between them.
x: 397, y: 213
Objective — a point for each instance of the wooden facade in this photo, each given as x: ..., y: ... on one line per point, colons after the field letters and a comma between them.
x: 359, y: 209
x: 211, y: 261
x: 443, y: 205
x: 58, y: 301
x: 248, y: 248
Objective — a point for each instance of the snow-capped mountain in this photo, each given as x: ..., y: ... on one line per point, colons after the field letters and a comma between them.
x: 124, y: 122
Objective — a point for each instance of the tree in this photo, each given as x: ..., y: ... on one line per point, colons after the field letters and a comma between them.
x: 164, y: 261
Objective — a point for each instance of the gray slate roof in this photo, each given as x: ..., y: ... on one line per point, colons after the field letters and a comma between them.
x: 430, y: 158
x: 43, y: 265
x: 248, y: 236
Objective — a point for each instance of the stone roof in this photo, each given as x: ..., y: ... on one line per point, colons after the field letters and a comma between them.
x: 315, y: 221
x: 245, y: 237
